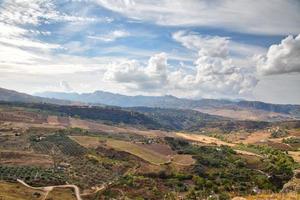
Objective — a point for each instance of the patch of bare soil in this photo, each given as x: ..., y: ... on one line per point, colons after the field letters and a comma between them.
x: 255, y: 137
x: 295, y: 155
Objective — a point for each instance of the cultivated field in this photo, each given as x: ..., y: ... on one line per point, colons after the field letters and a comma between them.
x: 87, y: 141
x: 144, y: 153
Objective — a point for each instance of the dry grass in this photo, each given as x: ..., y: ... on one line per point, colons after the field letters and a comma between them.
x: 247, y: 153
x: 276, y: 196
x: 295, y: 155
x: 203, y: 139
x: 255, y: 137
x: 15, y: 191
x: 137, y: 150
x: 87, y: 141
x: 243, y: 114
x: 61, y: 194
x: 182, y: 159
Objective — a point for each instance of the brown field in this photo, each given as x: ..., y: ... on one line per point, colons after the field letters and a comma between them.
x: 87, y: 141
x: 295, y: 155
x: 18, y: 158
x: 139, y: 151
x: 244, y: 114
x: 202, y: 139
x: 61, y: 194
x: 255, y: 137
x: 16, y: 191
x: 97, y: 126
x: 182, y: 159
x: 162, y: 149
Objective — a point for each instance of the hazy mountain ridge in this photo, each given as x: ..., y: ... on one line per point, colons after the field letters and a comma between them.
x: 169, y: 101
x: 14, y: 96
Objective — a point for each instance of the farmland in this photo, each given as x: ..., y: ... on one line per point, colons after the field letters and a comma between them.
x: 146, y: 154
x: 121, y: 161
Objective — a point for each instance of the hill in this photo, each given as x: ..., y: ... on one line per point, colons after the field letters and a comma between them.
x: 13, y: 96
x: 246, y: 110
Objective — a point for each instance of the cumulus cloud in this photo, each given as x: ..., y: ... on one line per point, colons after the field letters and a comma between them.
x: 212, y: 45
x: 216, y: 46
x: 135, y: 76
x: 214, y: 73
x: 281, y: 58
x: 111, y: 36
x: 247, y: 16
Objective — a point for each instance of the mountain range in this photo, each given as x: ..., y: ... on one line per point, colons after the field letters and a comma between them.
x: 242, y: 110
x: 239, y: 109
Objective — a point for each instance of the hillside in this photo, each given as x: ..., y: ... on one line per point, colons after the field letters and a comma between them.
x: 247, y: 110
x: 13, y: 96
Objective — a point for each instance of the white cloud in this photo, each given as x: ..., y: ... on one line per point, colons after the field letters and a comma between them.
x: 22, y: 52
x: 135, y: 76
x: 215, y: 73
x: 248, y: 16
x: 212, y: 76
x: 111, y: 36
x: 37, y: 12
x: 281, y: 58
x: 212, y: 45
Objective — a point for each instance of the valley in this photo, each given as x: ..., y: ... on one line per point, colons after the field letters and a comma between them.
x: 44, y: 147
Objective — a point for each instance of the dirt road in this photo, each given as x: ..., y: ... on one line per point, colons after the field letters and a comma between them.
x: 48, y: 189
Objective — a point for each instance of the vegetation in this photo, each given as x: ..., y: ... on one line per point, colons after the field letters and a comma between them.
x: 32, y: 175
x: 278, y: 133
x: 292, y: 140
x: 220, y: 170
x: 56, y: 142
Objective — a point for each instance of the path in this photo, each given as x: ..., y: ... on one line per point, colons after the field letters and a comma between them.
x: 48, y: 189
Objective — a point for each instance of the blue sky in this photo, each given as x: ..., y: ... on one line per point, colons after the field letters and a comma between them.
x: 193, y: 48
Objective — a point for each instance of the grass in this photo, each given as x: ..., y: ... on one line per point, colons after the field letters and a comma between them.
x: 139, y: 151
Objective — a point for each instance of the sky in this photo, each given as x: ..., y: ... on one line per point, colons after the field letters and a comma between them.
x: 229, y: 49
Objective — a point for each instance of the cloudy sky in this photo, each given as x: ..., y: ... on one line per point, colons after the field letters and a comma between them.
x: 237, y: 49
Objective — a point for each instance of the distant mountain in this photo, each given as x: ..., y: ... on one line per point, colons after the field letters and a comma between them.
x: 239, y: 109
x: 13, y: 96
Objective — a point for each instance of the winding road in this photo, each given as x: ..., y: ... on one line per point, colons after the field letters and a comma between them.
x: 48, y: 189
